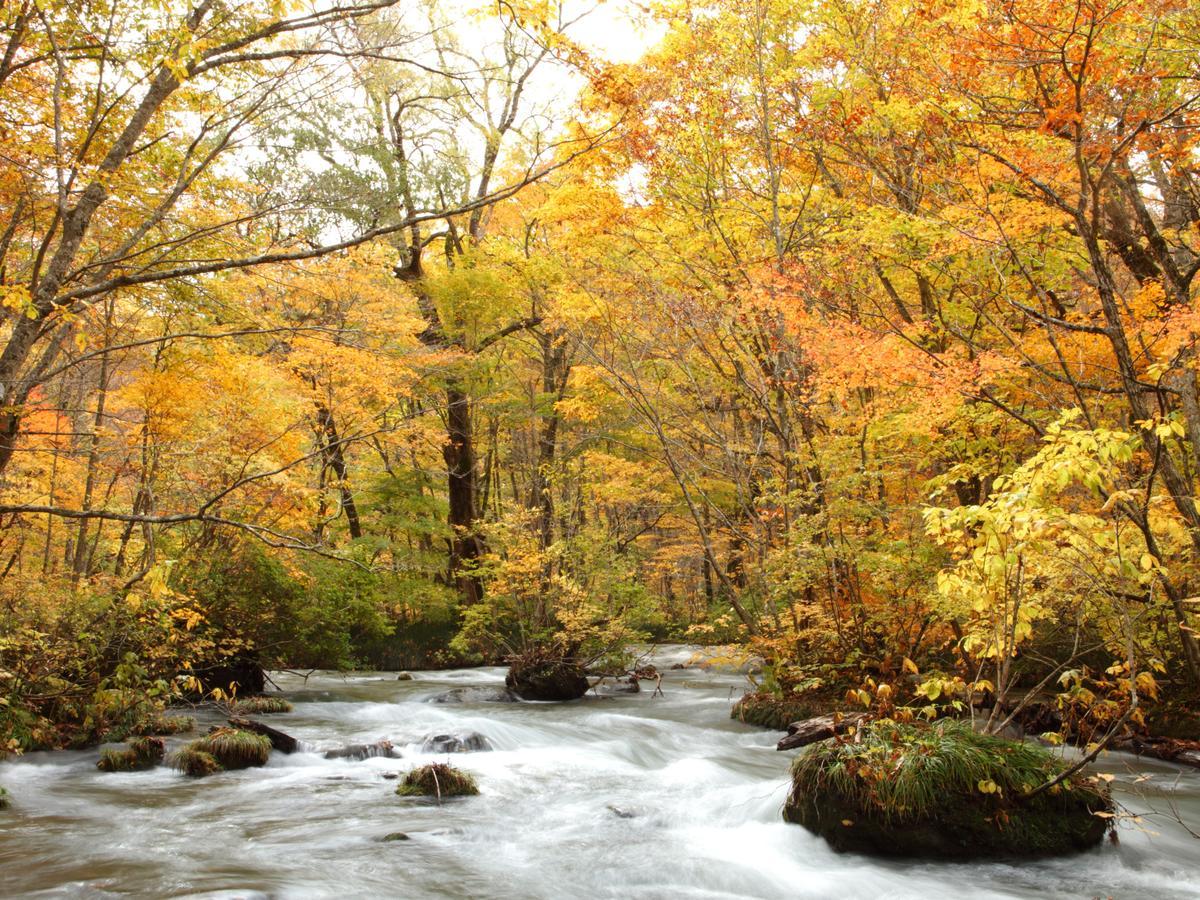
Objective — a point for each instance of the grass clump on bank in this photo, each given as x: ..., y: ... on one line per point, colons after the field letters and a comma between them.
x: 942, y: 791
x: 144, y: 753
x: 437, y: 780
x: 259, y: 706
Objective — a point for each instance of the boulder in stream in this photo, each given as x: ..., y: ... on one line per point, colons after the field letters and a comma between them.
x: 364, y: 751
x: 943, y: 791
x: 5, y: 799
x: 538, y: 676
x: 474, y: 695
x: 457, y: 742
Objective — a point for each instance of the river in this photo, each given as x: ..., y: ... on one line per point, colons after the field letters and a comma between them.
x: 625, y: 797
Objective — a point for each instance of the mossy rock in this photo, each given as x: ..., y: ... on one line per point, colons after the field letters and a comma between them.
x: 540, y: 677
x: 437, y: 780
x: 194, y: 763
x: 260, y: 706
x: 233, y: 748
x: 144, y: 753
x: 164, y: 724
x: 5, y: 799
x: 777, y: 713
x: 942, y: 791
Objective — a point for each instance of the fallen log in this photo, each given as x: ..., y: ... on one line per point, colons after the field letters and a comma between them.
x: 1178, y: 751
x: 284, y: 743
x: 809, y: 731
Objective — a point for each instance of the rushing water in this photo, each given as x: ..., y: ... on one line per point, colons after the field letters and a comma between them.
x: 625, y: 797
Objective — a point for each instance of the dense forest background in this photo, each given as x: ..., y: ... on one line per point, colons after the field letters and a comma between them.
x: 860, y: 336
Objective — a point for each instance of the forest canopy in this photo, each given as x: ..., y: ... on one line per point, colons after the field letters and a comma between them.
x: 859, y: 336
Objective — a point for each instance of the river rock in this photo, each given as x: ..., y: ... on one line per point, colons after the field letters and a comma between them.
x: 395, y: 836
x: 547, y: 679
x: 459, y: 742
x: 364, y: 751
x: 943, y: 792
x: 801, y: 734
x: 284, y: 743
x: 474, y: 695
x: 619, y: 686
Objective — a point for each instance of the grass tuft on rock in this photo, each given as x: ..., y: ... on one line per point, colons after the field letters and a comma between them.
x: 942, y: 791
x: 194, y: 763
x: 233, y: 748
x: 437, y: 780
x: 144, y: 753
x: 259, y: 706
x: 164, y: 724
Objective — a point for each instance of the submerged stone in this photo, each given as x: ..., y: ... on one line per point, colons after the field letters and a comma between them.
x: 395, y: 836
x: 459, y: 742
x: 474, y: 695
x: 943, y: 791
x: 364, y: 751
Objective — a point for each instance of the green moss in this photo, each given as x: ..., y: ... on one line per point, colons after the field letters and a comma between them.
x: 144, y: 753
x: 194, y: 763
x: 233, y: 748
x: 437, y: 780
x: 259, y: 706
x: 942, y: 790
x: 777, y: 713
x: 5, y: 799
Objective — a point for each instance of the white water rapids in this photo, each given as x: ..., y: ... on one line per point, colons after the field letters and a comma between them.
x: 699, y: 798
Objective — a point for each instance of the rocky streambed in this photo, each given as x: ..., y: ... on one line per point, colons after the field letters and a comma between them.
x: 629, y: 795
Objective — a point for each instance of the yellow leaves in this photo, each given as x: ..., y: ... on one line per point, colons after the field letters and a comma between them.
x: 987, y: 786
x: 17, y: 297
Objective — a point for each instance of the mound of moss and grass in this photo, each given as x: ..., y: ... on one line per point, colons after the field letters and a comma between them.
x: 250, y: 706
x: 437, y: 780
x: 943, y: 791
x: 143, y: 753
x: 222, y: 749
x: 768, y: 710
